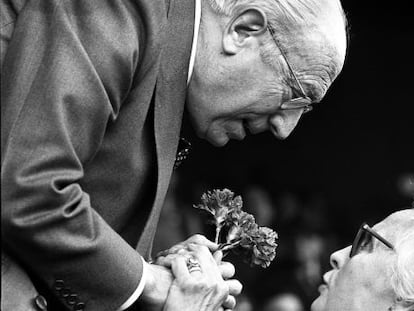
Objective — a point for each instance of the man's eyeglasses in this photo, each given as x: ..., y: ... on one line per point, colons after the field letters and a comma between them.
x: 302, y: 102
x: 363, y: 239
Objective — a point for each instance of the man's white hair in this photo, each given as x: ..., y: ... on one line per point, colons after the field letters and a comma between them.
x: 402, y: 276
x: 292, y: 19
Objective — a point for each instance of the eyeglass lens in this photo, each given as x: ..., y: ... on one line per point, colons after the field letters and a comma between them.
x: 362, y: 240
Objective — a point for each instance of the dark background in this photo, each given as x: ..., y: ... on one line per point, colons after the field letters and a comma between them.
x: 350, y: 159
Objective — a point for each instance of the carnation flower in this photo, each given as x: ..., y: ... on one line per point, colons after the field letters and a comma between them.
x: 258, y: 244
x: 243, y: 225
x: 220, y: 204
x: 264, y: 247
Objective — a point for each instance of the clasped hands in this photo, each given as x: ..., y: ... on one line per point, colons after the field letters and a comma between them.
x: 172, y: 285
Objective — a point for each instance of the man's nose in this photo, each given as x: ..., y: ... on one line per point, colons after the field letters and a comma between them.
x: 284, y: 122
x: 339, y: 258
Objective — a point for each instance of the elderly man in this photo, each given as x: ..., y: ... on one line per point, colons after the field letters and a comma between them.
x: 376, y: 272
x: 93, y: 95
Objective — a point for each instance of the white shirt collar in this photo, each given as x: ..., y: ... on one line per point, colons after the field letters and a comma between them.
x: 197, y: 20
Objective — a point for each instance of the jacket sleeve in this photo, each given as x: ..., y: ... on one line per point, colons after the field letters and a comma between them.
x: 67, y: 68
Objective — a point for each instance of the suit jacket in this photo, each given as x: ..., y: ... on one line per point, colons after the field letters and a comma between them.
x: 92, y: 98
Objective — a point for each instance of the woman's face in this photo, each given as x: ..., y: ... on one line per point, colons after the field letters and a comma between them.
x: 360, y: 283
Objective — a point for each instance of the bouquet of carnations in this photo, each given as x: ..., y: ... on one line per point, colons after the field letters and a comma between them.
x: 237, y: 230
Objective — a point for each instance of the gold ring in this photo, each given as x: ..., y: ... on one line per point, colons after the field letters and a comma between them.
x: 193, y: 265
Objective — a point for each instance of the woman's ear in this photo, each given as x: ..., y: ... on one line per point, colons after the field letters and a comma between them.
x: 246, y: 24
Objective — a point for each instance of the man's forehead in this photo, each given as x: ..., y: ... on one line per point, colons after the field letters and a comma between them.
x: 321, y: 47
x: 318, y: 64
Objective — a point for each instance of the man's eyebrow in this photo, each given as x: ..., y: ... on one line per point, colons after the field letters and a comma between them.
x: 315, y: 92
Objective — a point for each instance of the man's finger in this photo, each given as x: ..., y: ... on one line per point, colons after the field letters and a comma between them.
x: 235, y: 287
x: 163, y: 261
x: 167, y: 260
x: 207, y: 262
x: 202, y: 253
x: 179, y: 267
x: 173, y: 250
x: 230, y: 302
x: 227, y: 269
x: 202, y: 240
x: 195, y: 239
x: 218, y: 256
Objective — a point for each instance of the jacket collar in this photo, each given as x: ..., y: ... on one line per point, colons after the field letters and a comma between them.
x: 170, y: 94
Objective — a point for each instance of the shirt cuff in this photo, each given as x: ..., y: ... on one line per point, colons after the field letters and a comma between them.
x: 138, y: 291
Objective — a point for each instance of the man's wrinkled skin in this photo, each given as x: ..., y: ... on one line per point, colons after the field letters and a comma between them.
x: 233, y: 92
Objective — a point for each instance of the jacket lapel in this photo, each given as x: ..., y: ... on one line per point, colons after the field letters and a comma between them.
x: 170, y: 96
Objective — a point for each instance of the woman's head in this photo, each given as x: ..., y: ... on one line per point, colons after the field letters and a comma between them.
x: 376, y: 277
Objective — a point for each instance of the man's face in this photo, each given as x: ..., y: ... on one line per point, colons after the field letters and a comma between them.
x: 243, y: 96
x: 233, y: 91
x: 361, y: 283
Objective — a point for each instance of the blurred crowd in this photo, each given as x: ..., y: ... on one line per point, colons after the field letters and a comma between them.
x: 308, y: 233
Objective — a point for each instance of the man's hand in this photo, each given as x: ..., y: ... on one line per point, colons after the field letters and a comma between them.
x: 159, y: 276
x: 157, y: 285
x: 197, y: 239
x: 202, y: 288
x: 227, y: 272
x: 165, y: 258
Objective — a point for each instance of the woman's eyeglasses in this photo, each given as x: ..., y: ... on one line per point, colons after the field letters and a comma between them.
x: 363, y: 239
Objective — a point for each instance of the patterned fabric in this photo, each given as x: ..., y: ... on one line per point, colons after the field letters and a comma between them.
x: 184, y: 149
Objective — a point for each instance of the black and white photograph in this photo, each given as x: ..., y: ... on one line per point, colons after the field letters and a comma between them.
x: 207, y: 155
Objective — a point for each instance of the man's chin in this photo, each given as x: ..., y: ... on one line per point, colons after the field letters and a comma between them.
x: 217, y: 140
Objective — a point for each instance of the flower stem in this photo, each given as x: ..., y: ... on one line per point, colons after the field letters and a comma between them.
x: 228, y: 246
x: 225, y: 253
x: 216, y: 239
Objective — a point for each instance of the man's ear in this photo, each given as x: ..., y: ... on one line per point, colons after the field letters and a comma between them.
x: 247, y: 23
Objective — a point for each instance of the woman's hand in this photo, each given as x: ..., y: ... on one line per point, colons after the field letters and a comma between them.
x: 199, y: 288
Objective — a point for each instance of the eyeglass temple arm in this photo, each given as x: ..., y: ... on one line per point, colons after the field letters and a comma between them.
x: 286, y: 61
x: 388, y: 244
